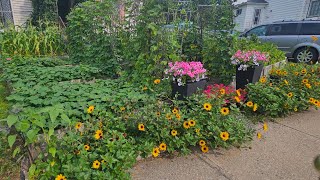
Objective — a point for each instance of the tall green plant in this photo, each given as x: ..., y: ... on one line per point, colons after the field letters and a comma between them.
x: 44, y: 10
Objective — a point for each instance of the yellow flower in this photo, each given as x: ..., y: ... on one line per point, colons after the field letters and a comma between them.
x: 305, y: 81
x: 60, y: 177
x: 286, y: 82
x: 316, y: 102
x: 314, y: 38
x: 155, y: 152
x: 98, y: 134
x: 192, y: 123
x: 278, y: 72
x: 204, y: 149
x: 296, y: 73
x: 265, y: 127
x: 141, y: 127
x: 295, y: 109
x: 263, y: 80
x: 303, y: 71
x: 249, y: 103
x: 186, y: 125
x: 87, y: 147
x: 158, y: 114
x: 122, y: 108
x: 270, y: 84
x: 96, y: 164
x: 144, y: 88
x: 238, y: 92
x: 163, y: 146
x: 90, y: 109
x: 259, y: 135
x: 175, y: 111
x: 255, y: 107
x: 224, y: 136
x: 284, y: 73
x: 178, y: 116
x: 202, y: 143
x: 290, y: 94
x: 103, y: 161
x: 207, y: 106
x: 168, y: 116
x: 308, y: 85
x: 237, y: 99
x: 197, y: 130
x: 222, y: 91
x: 78, y: 125
x: 157, y: 81
x: 174, y: 132
x: 311, y: 100
x: 224, y: 111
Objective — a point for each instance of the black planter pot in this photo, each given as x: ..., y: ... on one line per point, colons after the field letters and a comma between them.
x: 251, y: 75
x: 188, y: 89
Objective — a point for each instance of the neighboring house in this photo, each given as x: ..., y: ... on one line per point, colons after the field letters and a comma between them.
x: 250, y: 13
x: 15, y: 12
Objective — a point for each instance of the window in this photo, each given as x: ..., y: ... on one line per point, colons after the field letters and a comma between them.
x: 256, y: 17
x: 239, y: 11
x: 310, y: 29
x: 5, y: 12
x: 258, y: 31
x: 314, y: 9
x: 283, y: 29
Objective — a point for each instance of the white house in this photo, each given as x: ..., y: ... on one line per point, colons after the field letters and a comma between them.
x: 250, y: 13
x: 15, y: 11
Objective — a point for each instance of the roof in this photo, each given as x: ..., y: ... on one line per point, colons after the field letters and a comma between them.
x: 245, y: 2
x: 257, y: 1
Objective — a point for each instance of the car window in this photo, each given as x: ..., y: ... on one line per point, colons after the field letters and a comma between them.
x: 258, y: 31
x: 310, y: 29
x: 283, y: 29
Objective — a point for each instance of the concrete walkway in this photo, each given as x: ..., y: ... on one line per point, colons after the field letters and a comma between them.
x: 286, y: 151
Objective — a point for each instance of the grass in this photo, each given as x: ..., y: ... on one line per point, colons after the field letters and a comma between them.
x: 9, y: 169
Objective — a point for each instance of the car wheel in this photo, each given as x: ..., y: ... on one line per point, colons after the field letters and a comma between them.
x: 306, y: 55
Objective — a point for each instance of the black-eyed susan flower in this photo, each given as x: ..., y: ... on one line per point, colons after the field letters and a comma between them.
x: 263, y: 80
x: 249, y: 103
x: 255, y: 107
x: 60, y: 177
x: 308, y: 85
x: 224, y: 136
x: 295, y: 109
x: 76, y: 152
x: 202, y: 143
x: 204, y: 149
x: 290, y: 94
x: 157, y: 81
x: 87, y: 147
x: 163, y: 147
x: 265, y: 126
x: 222, y: 91
x: 144, y: 88
x: 122, y: 108
x: 316, y: 102
x: 284, y: 73
x: 78, y: 125
x: 174, y: 132
x: 296, y: 73
x: 259, y: 135
x: 90, y: 109
x: 178, y: 116
x: 158, y: 114
x: 103, y: 161
x: 311, y: 100
x: 98, y: 134
x: 155, y: 152
x: 197, y: 130
x: 278, y: 72
x: 304, y: 81
x: 224, y: 111
x: 192, y: 123
x: 175, y: 111
x: 303, y: 71
x: 141, y: 127
x: 186, y: 125
x: 207, y: 106
x: 96, y: 164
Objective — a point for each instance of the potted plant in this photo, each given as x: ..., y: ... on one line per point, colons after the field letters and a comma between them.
x: 187, y: 78
x: 249, y: 66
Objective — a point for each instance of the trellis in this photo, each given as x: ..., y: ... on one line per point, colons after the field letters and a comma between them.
x: 6, y: 16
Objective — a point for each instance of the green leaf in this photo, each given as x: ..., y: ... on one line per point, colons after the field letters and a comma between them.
x: 51, y: 131
x: 53, y: 115
x: 11, y: 140
x: 53, y: 151
x: 11, y: 120
x: 65, y: 119
x: 32, y: 169
x: 31, y: 134
x: 16, y: 151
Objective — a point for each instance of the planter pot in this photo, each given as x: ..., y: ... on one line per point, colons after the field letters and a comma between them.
x: 188, y: 89
x: 251, y: 75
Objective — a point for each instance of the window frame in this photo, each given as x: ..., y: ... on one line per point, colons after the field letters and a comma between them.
x: 254, y: 16
x: 267, y: 29
x: 238, y: 12
x: 311, y: 8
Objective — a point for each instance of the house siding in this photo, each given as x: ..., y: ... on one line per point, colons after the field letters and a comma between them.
x: 286, y: 10
x: 21, y: 10
x: 240, y: 19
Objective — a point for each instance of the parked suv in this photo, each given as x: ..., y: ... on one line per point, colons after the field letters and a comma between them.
x: 298, y: 39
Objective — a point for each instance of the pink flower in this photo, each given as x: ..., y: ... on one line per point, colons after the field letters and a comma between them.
x: 9, y: 59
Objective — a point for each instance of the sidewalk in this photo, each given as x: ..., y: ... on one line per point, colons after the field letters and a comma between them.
x: 285, y: 152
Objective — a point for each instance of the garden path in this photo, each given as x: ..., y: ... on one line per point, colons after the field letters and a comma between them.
x: 285, y: 151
